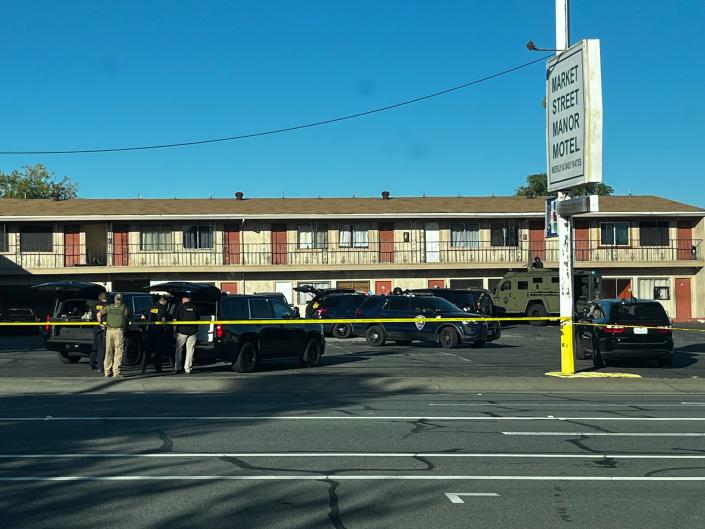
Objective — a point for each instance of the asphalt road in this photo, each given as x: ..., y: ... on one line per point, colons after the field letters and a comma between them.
x: 343, y: 460
x: 523, y: 351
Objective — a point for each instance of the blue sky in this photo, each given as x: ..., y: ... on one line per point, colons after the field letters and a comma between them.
x: 83, y: 74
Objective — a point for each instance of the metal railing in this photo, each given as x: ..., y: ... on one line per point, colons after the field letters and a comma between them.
x: 392, y: 253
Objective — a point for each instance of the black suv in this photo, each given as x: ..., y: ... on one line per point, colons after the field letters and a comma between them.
x: 619, y: 333
x: 319, y: 294
x: 338, y: 306
x: 245, y: 345
x: 74, y: 302
x: 425, y: 310
x: 470, y: 300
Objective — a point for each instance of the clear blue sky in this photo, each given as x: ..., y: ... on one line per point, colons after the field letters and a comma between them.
x: 94, y: 73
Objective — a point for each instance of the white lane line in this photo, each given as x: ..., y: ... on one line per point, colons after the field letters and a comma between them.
x: 615, y: 434
x: 456, y: 356
x: 495, y: 455
x: 455, y: 497
x: 358, y: 477
x: 50, y: 418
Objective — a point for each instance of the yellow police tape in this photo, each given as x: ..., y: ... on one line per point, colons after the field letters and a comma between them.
x: 302, y: 321
x: 296, y: 321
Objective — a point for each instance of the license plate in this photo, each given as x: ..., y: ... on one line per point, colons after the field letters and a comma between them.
x: 641, y: 330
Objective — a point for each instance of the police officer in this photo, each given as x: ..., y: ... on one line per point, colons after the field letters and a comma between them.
x: 95, y: 361
x: 158, y: 336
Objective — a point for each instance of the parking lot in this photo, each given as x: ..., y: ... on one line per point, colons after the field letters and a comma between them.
x: 523, y: 351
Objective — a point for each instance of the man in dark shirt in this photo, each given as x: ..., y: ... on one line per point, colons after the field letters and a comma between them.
x: 185, y: 334
x: 158, y: 336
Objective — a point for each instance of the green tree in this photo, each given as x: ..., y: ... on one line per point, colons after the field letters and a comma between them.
x: 537, y: 186
x: 34, y: 181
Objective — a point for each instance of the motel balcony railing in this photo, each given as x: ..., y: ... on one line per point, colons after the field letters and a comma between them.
x: 375, y: 253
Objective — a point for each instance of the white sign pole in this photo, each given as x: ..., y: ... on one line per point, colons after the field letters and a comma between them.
x: 565, y: 228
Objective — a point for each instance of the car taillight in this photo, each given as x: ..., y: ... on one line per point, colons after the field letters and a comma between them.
x: 663, y: 331
x: 320, y: 313
x: 47, y: 327
x: 219, y: 331
x: 614, y: 329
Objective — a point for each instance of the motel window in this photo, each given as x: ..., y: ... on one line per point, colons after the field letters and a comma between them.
x: 504, y: 234
x: 614, y: 234
x: 198, y: 237
x: 466, y: 235
x: 36, y: 239
x: 353, y: 236
x: 4, y: 239
x: 653, y: 233
x: 155, y: 238
x: 313, y: 236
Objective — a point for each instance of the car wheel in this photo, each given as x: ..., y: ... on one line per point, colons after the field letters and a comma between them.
x: 597, y: 361
x: 342, y: 330
x: 402, y: 342
x: 478, y: 344
x: 133, y: 352
x: 376, y: 336
x: 246, y: 360
x: 665, y: 361
x: 537, y: 310
x: 311, y: 356
x: 69, y: 359
x: 448, y: 338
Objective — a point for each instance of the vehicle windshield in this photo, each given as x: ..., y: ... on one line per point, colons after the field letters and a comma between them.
x: 442, y: 304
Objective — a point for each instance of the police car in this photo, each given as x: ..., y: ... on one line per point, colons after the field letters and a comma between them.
x: 426, y: 327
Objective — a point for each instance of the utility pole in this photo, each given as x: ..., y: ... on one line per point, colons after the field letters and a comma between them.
x: 565, y: 225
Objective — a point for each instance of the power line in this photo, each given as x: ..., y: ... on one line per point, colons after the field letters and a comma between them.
x: 286, y: 129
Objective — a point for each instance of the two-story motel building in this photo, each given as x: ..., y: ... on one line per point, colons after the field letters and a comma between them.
x: 645, y: 246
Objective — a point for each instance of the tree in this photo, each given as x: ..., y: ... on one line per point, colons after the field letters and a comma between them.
x: 34, y: 181
x: 537, y: 186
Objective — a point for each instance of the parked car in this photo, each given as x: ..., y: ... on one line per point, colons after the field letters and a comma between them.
x: 244, y: 346
x: 318, y: 295
x: 338, y: 306
x: 74, y: 301
x: 425, y: 309
x: 624, y: 331
x: 471, y: 300
x: 19, y: 315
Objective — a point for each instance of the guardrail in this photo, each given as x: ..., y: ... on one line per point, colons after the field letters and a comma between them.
x: 392, y: 253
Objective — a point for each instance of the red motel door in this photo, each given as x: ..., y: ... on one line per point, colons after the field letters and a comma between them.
x: 72, y: 245
x: 229, y: 286
x: 121, y: 246
x: 279, y: 244
x: 383, y: 288
x: 685, y: 240
x: 231, y: 237
x: 683, y: 301
x: 537, y: 240
x: 582, y: 240
x: 436, y: 283
x: 386, y: 242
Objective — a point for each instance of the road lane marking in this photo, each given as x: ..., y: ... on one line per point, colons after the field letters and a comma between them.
x: 454, y: 455
x: 343, y: 477
x: 616, y: 434
x: 455, y: 497
x: 50, y: 418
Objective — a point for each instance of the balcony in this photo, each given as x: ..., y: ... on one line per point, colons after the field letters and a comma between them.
x: 247, y: 256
